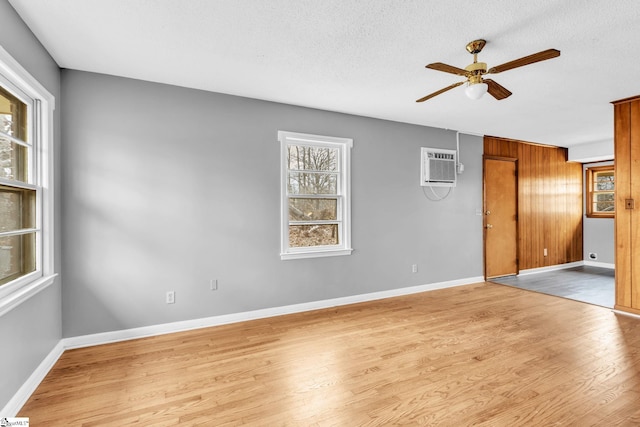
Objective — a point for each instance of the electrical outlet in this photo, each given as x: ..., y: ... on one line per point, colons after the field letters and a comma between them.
x: 546, y: 252
x: 213, y: 284
x: 593, y: 255
x: 414, y: 268
x: 171, y: 297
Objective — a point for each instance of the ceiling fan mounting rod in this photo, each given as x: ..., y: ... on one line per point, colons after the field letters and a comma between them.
x: 477, y: 69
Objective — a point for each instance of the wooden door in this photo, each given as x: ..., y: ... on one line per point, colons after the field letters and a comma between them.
x: 500, y: 217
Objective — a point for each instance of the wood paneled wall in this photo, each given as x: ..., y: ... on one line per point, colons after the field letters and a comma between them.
x: 627, y: 222
x: 549, y: 202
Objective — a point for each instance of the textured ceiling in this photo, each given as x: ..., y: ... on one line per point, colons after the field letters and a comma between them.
x: 367, y: 57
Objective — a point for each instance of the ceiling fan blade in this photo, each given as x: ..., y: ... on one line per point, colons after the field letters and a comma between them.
x: 439, y: 92
x: 439, y: 66
x: 496, y: 90
x: 536, y: 57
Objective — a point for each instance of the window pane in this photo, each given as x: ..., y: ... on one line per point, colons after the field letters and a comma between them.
x: 301, y: 157
x: 313, y: 209
x: 13, y: 115
x: 17, y: 208
x: 603, y: 202
x: 17, y: 256
x: 604, y: 181
x: 313, y: 235
x: 13, y: 160
x: 312, y: 183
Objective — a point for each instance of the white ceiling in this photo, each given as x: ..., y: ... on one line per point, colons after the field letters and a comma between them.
x: 367, y: 57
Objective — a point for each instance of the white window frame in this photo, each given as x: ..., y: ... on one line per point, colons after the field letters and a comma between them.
x: 42, y: 104
x: 344, y: 146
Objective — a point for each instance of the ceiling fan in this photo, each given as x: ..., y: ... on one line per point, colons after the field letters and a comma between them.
x: 476, y: 84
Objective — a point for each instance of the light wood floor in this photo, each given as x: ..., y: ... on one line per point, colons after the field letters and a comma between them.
x: 484, y: 354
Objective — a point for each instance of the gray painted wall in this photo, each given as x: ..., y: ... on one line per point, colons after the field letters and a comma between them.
x: 167, y: 188
x: 29, y: 332
x: 598, y: 233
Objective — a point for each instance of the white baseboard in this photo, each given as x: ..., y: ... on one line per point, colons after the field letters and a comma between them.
x: 551, y: 268
x: 565, y: 266
x: 599, y: 264
x: 167, y: 328
x: 20, y: 398
x: 626, y: 313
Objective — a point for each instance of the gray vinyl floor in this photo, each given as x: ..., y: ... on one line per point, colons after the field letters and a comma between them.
x: 593, y: 285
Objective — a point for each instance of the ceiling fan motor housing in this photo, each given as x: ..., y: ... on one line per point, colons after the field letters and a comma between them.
x: 477, y: 66
x: 476, y: 70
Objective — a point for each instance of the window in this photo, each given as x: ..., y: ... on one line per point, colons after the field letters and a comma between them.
x: 600, y: 192
x: 17, y: 197
x: 26, y: 246
x: 315, y: 191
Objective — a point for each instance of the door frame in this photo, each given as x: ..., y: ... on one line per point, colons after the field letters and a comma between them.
x: 484, y: 210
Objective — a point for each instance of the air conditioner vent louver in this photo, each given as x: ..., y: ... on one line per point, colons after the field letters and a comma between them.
x: 438, y: 167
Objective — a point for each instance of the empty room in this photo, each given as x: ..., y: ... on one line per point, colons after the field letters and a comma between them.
x: 319, y: 213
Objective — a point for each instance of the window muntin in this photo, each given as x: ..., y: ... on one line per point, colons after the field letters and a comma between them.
x: 600, y: 192
x: 315, y: 195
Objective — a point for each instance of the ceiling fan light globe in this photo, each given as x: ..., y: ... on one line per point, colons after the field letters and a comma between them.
x: 475, y: 91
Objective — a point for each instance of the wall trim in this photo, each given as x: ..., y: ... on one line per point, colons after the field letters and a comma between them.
x: 599, y: 264
x: 18, y: 400
x: 186, y: 325
x: 626, y: 313
x: 565, y: 266
x: 551, y: 268
x: 22, y: 395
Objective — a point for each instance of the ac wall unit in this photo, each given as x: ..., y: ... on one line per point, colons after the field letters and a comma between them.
x: 438, y: 167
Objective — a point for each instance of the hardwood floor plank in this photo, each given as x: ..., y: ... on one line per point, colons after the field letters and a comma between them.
x: 482, y: 354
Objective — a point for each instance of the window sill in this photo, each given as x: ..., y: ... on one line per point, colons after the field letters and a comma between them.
x: 315, y: 254
x: 610, y: 216
x: 14, y: 299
